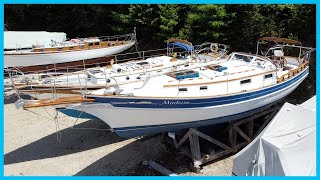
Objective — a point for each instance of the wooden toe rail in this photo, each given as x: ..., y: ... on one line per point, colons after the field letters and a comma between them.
x: 58, y: 101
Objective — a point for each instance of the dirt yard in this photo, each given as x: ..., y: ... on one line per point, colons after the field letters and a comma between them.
x: 33, y: 146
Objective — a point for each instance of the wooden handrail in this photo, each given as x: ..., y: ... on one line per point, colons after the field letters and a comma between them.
x: 293, y: 72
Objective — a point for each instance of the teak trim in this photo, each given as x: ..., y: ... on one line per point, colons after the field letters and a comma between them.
x: 58, y: 101
x: 214, y: 82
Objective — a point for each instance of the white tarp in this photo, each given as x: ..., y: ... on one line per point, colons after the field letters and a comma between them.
x: 25, y: 39
x: 286, y: 147
x: 310, y: 104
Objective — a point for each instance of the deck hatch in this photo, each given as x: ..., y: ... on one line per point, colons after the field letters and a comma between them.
x: 217, y: 68
x: 179, y: 75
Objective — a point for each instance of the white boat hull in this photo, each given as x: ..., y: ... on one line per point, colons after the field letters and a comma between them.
x: 31, y: 59
x: 133, y: 118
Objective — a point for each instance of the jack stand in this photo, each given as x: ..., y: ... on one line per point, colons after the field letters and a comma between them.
x: 239, y: 133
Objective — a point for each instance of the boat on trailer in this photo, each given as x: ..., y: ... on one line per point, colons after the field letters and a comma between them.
x: 198, y: 95
x: 77, y: 49
x: 178, y: 54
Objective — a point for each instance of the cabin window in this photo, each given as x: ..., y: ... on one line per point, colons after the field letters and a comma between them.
x: 142, y: 63
x: 242, y: 57
x: 203, y: 87
x: 95, y: 71
x: 247, y: 81
x: 183, y: 89
x: 96, y: 43
x: 268, y: 76
x: 90, y: 44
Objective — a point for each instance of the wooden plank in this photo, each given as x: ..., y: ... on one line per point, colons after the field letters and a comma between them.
x: 232, y: 136
x: 249, y: 129
x: 185, y: 137
x: 212, y: 140
x: 195, y: 147
x: 223, y: 153
x: 56, y: 91
x: 58, y: 101
x: 242, y: 134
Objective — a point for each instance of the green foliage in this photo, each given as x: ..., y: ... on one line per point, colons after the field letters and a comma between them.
x: 237, y: 25
x: 169, y: 19
x: 204, y: 23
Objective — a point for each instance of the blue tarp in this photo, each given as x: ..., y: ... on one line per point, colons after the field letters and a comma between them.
x: 220, y: 68
x: 187, y: 75
x: 184, y: 46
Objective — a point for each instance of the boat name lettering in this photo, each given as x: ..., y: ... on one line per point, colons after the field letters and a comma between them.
x: 96, y: 106
x: 141, y: 102
x: 176, y: 102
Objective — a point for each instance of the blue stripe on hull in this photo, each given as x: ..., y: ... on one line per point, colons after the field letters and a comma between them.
x: 76, y: 114
x: 193, y: 103
x: 147, y: 130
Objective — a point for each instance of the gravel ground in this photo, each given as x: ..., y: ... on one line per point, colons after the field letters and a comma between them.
x: 33, y: 147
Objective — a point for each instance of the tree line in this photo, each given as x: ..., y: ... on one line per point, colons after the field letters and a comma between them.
x: 237, y: 25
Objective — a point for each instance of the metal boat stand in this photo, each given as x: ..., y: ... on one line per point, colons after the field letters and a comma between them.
x: 236, y: 135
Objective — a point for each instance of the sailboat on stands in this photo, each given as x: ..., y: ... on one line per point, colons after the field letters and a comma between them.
x: 60, y: 53
x: 197, y: 95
